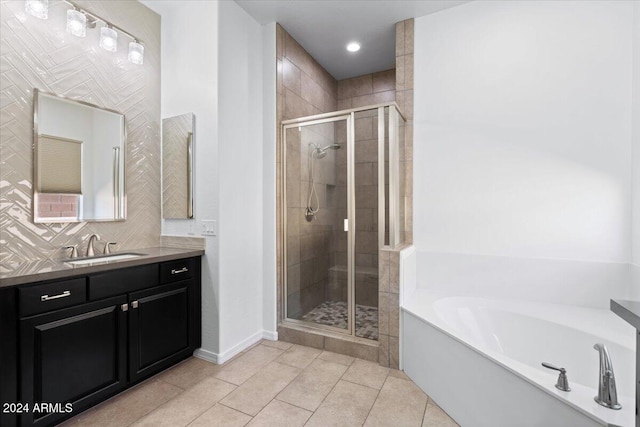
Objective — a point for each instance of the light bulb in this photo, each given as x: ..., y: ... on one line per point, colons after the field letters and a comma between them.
x: 76, y: 23
x: 37, y: 8
x: 108, y: 39
x: 136, y: 53
x: 353, y: 47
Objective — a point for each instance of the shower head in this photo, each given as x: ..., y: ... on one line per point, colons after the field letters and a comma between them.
x: 322, y: 152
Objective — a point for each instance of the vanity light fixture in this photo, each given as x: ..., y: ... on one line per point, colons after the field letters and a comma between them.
x: 78, y: 19
x: 76, y: 23
x: 353, y: 47
x: 108, y: 39
x: 37, y: 8
x: 136, y: 53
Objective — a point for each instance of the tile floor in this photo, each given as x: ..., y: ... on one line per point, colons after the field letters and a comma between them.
x: 272, y: 384
x: 334, y: 313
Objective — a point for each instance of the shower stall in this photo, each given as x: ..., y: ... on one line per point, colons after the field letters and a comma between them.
x: 342, y: 186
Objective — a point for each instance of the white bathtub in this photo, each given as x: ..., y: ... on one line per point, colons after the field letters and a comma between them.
x: 479, y: 359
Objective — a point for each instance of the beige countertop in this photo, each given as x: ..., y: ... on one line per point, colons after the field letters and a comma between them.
x: 49, y: 269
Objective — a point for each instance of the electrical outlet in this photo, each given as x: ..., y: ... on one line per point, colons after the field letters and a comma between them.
x: 209, y: 228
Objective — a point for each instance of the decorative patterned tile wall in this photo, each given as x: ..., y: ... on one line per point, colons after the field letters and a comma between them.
x: 40, y: 54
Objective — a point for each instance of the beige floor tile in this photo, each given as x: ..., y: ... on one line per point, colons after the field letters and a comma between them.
x: 260, y: 389
x: 347, y: 405
x: 399, y: 403
x: 342, y: 359
x: 278, y: 344
x: 188, y: 405
x: 366, y: 373
x: 280, y: 414
x: 221, y: 416
x: 299, y: 356
x: 434, y: 416
x: 313, y: 384
x: 190, y: 372
x: 398, y: 374
x: 252, y: 346
x: 127, y: 407
x: 245, y: 366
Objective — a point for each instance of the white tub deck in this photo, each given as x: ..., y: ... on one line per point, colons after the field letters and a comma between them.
x: 479, y: 358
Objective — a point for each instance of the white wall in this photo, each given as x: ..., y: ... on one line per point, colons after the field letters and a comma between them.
x: 212, y: 65
x: 636, y: 157
x: 240, y: 132
x: 269, y: 297
x: 523, y: 131
x: 190, y: 84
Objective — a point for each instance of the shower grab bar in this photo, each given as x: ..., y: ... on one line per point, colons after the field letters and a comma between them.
x: 563, y: 381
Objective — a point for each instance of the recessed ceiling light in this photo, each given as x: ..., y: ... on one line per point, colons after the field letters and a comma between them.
x: 353, y: 47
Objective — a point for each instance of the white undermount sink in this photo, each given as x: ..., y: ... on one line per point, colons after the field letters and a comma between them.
x: 104, y: 258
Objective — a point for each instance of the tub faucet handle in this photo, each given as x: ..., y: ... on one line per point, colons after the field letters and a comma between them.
x: 563, y: 381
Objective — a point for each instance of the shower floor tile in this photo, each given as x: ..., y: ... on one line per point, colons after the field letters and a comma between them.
x: 334, y: 313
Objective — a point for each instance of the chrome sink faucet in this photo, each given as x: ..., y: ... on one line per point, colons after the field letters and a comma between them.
x: 90, y: 249
x: 607, y: 394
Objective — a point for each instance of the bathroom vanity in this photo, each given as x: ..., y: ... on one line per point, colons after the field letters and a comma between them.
x: 630, y: 311
x: 72, y: 336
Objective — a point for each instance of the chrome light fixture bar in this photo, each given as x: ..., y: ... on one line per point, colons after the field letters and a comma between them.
x: 77, y: 23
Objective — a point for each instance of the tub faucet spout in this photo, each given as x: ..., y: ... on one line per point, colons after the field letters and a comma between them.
x: 607, y: 394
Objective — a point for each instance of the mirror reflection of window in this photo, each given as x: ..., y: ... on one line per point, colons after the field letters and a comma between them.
x: 79, y: 167
x: 177, y: 166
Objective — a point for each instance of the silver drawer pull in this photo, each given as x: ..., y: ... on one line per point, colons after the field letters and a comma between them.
x: 182, y: 270
x: 62, y: 295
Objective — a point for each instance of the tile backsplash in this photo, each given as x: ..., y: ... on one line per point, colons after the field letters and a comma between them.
x: 40, y: 54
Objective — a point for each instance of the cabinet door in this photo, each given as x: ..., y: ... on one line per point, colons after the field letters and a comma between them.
x: 158, y: 328
x: 74, y: 355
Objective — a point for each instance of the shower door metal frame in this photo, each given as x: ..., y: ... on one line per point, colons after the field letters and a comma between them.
x: 349, y: 116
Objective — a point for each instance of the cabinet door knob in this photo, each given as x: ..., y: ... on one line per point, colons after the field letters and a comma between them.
x: 134, y: 304
x: 125, y: 307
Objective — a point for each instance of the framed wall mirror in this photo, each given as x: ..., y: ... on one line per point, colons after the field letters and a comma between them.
x: 178, y: 139
x: 79, y: 161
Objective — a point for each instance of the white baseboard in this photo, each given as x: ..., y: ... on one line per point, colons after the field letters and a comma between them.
x: 270, y: 335
x: 220, y: 358
x: 207, y: 355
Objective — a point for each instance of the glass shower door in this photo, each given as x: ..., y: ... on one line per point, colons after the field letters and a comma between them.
x: 317, y: 276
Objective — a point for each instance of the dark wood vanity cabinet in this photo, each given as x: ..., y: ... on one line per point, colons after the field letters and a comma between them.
x: 75, y: 355
x: 84, y: 339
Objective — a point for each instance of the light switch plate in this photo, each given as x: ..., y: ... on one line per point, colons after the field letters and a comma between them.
x: 209, y: 228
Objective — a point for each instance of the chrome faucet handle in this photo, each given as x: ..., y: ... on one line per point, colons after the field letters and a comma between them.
x: 107, y: 247
x: 563, y: 381
x: 74, y: 251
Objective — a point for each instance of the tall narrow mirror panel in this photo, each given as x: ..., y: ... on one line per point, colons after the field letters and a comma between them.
x: 177, y: 166
x: 79, y: 169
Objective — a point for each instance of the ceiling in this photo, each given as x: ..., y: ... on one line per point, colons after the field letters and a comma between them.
x: 324, y: 27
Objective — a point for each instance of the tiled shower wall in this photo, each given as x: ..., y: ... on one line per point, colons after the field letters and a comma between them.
x: 389, y: 270
x: 356, y: 92
x: 304, y: 88
x: 40, y: 54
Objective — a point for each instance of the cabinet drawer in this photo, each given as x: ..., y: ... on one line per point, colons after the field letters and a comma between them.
x: 52, y: 296
x: 174, y: 271
x: 123, y: 281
